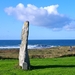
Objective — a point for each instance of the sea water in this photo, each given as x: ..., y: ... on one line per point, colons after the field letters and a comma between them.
x: 36, y: 44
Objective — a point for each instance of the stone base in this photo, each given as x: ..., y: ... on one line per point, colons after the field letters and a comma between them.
x: 25, y: 66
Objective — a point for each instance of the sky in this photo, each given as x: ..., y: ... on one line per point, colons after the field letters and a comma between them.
x: 48, y: 19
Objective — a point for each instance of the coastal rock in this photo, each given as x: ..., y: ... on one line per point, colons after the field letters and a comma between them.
x: 23, y: 53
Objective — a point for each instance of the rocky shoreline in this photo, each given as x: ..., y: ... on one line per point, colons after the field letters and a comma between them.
x: 62, y: 51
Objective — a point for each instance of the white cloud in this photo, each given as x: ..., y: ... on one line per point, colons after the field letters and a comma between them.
x: 44, y: 16
x: 70, y: 26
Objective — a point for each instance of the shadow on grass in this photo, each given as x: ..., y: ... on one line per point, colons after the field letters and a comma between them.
x: 3, y: 58
x: 51, y: 66
x: 69, y: 55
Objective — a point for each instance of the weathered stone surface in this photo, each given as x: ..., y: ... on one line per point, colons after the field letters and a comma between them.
x: 23, y: 53
x: 24, y: 67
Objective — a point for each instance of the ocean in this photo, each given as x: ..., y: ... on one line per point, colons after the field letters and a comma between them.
x: 36, y: 44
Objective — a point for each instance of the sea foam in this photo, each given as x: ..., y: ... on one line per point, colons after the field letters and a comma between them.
x: 29, y: 46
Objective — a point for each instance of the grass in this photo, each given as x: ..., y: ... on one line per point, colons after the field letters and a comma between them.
x: 52, y: 61
x: 40, y: 66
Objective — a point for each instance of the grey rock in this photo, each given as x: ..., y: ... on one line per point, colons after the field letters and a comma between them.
x: 71, y: 48
x: 23, y: 53
x: 25, y: 66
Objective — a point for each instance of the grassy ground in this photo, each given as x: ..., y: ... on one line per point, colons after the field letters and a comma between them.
x: 52, y: 61
x: 44, y: 66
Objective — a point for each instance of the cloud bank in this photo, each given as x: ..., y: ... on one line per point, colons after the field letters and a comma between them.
x: 43, y: 16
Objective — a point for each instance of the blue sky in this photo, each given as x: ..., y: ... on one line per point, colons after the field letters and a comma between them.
x: 49, y: 19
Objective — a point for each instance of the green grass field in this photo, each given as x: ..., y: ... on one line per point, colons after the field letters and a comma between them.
x: 43, y: 66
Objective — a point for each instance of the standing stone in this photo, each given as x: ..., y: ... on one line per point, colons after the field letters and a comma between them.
x: 23, y: 53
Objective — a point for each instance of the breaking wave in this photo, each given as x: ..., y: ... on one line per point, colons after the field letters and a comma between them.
x: 29, y: 46
x: 39, y: 46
